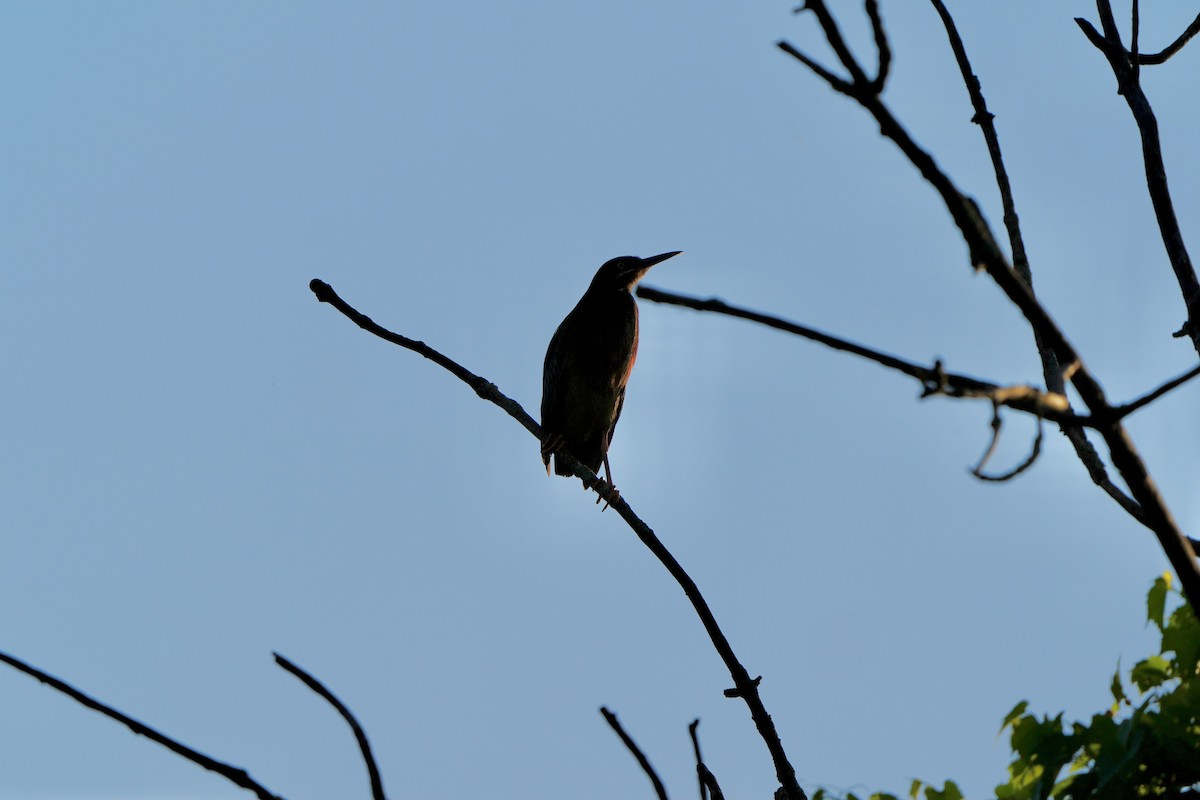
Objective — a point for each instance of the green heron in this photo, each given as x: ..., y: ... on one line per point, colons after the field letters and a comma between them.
x: 588, y: 364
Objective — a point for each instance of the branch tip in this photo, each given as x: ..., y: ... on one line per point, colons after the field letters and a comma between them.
x: 321, y: 289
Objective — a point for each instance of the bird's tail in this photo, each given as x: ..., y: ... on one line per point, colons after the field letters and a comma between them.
x: 560, y: 468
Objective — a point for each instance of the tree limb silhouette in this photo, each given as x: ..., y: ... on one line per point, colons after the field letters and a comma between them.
x: 743, y: 685
x: 632, y: 747
x: 1124, y: 63
x: 359, y: 735
x: 986, y: 254
x: 235, y: 775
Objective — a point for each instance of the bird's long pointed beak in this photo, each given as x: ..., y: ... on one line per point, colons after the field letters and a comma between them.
x: 647, y: 263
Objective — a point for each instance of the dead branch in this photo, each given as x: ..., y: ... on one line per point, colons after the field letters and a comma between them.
x: 996, y: 425
x: 632, y: 747
x: 1124, y: 63
x: 359, y: 735
x: 986, y: 254
x: 744, y: 686
x: 935, y: 381
x: 699, y: 759
x: 235, y: 775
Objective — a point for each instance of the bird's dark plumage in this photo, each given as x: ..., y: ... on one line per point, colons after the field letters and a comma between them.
x: 588, y: 364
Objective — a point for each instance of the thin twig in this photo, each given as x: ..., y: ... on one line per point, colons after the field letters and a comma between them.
x: 986, y: 121
x: 1174, y: 47
x: 1125, y: 410
x: 1134, y: 30
x: 934, y: 380
x: 1051, y: 370
x: 1029, y: 461
x: 746, y: 688
x: 1124, y: 67
x: 881, y: 45
x: 363, y: 745
x: 699, y: 759
x: 235, y: 775
x: 833, y: 35
x: 840, y: 84
x: 986, y: 254
x: 632, y: 747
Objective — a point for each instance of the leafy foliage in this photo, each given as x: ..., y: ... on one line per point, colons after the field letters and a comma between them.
x: 1147, y: 744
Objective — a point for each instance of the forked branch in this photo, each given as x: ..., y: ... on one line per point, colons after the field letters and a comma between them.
x: 1124, y: 63
x: 986, y: 254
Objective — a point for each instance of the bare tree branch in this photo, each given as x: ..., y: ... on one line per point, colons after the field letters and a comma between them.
x: 1051, y: 369
x: 881, y: 46
x: 632, y: 747
x: 986, y: 254
x: 934, y: 380
x: 699, y: 759
x: 985, y: 119
x: 744, y: 686
x: 1174, y: 47
x: 996, y: 426
x: 1134, y: 31
x: 1123, y: 411
x: 235, y: 775
x: 1124, y: 66
x: 833, y: 35
x: 839, y: 84
x: 363, y: 745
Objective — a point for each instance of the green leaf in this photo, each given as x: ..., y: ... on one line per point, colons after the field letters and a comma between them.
x: 1156, y: 600
x: 1017, y: 711
x: 914, y: 789
x: 950, y: 791
x: 1118, y: 691
x: 1151, y: 672
x: 1182, y: 637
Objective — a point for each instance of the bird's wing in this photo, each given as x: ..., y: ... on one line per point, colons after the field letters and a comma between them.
x: 552, y: 384
x: 616, y: 416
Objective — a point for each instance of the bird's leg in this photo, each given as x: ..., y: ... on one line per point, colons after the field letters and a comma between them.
x: 608, y: 475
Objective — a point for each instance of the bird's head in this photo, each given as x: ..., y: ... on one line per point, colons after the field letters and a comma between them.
x: 622, y: 273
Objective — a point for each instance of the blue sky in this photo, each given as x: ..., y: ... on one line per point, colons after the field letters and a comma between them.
x: 202, y: 465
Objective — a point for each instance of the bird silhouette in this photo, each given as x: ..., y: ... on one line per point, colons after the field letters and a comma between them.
x: 588, y: 364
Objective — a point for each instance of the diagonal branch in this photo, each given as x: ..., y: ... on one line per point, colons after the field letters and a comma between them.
x: 235, y: 775
x: 632, y: 747
x: 985, y: 119
x: 1147, y: 399
x: 985, y: 254
x: 934, y: 380
x: 1124, y: 66
x: 881, y: 45
x: 363, y: 745
x: 743, y: 685
x: 1051, y: 369
x: 699, y: 759
x: 833, y: 35
x: 1174, y: 47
